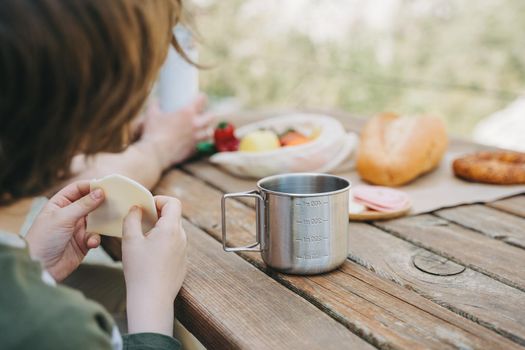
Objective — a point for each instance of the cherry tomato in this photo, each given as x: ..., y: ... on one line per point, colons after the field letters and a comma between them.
x: 224, y: 138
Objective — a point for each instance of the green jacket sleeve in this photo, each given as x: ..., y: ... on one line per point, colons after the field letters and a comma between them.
x: 37, y: 314
x: 150, y: 341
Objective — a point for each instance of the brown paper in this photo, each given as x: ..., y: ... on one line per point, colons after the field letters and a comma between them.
x: 441, y: 189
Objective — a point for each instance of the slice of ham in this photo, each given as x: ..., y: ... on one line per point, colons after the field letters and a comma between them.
x: 380, y: 208
x: 381, y: 198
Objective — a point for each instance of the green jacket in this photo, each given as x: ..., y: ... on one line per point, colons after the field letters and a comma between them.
x: 35, y: 313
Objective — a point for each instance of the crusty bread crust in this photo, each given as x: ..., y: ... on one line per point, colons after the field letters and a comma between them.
x: 395, y: 150
x: 498, y: 167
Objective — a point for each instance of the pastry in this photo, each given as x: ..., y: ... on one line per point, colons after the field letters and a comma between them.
x: 493, y: 167
x: 395, y: 150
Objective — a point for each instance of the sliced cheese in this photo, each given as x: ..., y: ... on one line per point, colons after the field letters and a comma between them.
x: 121, y: 194
x: 353, y: 206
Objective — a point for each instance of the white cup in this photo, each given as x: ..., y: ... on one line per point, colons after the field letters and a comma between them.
x: 178, y: 83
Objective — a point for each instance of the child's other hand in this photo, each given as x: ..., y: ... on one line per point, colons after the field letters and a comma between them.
x: 174, y: 135
x: 154, y: 267
x: 58, y: 237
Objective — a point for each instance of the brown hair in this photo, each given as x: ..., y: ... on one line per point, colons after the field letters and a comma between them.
x: 73, y: 74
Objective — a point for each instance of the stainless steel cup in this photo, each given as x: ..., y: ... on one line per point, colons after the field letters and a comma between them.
x: 302, y: 222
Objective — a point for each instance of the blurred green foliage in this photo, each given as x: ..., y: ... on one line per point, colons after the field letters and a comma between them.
x: 460, y: 59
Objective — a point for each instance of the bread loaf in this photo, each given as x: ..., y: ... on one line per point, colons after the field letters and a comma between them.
x: 395, y: 150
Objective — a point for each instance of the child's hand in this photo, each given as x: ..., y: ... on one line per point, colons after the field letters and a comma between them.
x: 58, y: 237
x: 154, y: 267
x: 175, y: 135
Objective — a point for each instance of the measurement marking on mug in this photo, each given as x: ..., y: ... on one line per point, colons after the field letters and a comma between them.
x: 309, y: 250
x: 312, y: 256
x: 312, y: 204
x: 312, y: 238
x: 312, y: 221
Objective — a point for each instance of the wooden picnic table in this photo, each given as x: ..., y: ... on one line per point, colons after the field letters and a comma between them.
x: 451, y: 279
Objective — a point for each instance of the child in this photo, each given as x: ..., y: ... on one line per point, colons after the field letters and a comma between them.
x: 74, y: 75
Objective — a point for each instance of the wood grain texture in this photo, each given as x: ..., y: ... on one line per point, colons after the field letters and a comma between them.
x: 488, y: 221
x: 494, y: 258
x: 469, y: 293
x: 229, y: 304
x: 514, y: 205
x: 384, y: 313
x: 436, y: 265
x: 463, y: 297
x: 227, y: 183
x: 216, y: 177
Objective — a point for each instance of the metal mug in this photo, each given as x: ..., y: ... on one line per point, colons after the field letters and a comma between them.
x: 301, y: 222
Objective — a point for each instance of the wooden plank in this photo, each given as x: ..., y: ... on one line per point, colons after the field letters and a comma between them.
x: 488, y: 221
x: 468, y: 293
x: 218, y: 178
x: 387, y: 315
x: 229, y: 304
x: 459, y: 293
x: 496, y: 259
x: 514, y: 205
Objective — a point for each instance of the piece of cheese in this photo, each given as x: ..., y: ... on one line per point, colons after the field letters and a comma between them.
x: 121, y: 194
x: 355, y: 208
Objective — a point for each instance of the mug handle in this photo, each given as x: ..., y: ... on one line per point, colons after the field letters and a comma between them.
x: 259, y: 221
